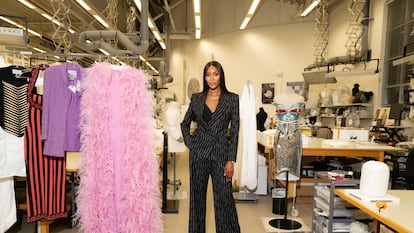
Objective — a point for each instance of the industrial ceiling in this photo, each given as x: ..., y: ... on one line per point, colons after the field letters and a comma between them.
x: 218, y: 16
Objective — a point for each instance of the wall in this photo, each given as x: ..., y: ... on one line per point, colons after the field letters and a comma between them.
x: 276, y: 54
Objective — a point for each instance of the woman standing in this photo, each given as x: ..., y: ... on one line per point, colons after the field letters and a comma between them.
x: 213, y: 150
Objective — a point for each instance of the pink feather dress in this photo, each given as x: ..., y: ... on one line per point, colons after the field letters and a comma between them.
x: 119, y: 189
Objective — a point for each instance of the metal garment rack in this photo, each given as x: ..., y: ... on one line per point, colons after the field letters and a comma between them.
x: 168, y: 206
x: 176, y: 183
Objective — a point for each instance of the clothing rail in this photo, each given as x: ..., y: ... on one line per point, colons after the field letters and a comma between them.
x: 92, y: 55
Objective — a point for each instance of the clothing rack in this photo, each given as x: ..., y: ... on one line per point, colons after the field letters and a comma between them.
x: 168, y: 206
x: 68, y: 56
x: 30, y: 53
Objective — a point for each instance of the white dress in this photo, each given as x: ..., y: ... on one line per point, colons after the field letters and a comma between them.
x: 248, y: 174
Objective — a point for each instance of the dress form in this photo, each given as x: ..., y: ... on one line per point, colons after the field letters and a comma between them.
x: 173, y: 119
x: 287, y: 142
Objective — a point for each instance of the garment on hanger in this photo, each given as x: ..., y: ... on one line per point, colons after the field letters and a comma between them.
x: 119, y: 185
x: 11, y: 143
x: 8, y: 204
x: 61, y: 107
x: 248, y: 173
x: 46, y: 175
x: 13, y: 108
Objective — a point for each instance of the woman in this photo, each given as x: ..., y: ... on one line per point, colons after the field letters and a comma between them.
x: 213, y: 150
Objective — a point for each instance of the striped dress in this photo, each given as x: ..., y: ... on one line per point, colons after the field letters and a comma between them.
x: 45, y: 190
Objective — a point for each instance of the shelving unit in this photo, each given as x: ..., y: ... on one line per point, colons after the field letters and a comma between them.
x: 329, y: 113
x: 330, y: 211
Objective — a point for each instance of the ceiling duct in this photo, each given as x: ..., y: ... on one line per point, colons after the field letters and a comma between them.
x: 163, y: 72
x: 91, y: 40
x: 164, y: 65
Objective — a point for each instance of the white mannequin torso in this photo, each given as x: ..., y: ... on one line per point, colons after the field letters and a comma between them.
x: 289, y: 98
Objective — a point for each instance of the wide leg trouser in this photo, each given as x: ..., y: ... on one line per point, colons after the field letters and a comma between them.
x: 224, y: 207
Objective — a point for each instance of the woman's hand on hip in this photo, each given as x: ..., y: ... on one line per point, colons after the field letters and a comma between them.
x: 229, y: 170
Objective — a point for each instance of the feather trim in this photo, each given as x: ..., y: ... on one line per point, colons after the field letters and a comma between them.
x: 119, y: 189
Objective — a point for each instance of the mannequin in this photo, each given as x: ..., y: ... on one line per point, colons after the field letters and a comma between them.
x: 173, y: 118
x: 287, y: 142
x: 261, y: 119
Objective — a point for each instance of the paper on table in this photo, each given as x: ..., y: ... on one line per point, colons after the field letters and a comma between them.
x: 357, y: 194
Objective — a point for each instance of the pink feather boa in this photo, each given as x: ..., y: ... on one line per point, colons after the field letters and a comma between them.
x: 119, y: 189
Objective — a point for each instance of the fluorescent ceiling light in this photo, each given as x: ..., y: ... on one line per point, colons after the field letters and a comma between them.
x: 47, y: 16
x: 197, y: 21
x: 162, y: 44
x: 138, y: 4
x: 8, y: 20
x: 34, y: 33
x: 250, y: 13
x: 84, y: 5
x: 253, y: 7
x: 100, y: 20
x: 197, y: 6
x: 142, y: 58
x: 51, y: 19
x: 150, y: 24
x: 103, y: 51
x: 39, y: 50
x: 310, y: 8
x: 245, y: 22
x: 197, y: 18
x: 28, y: 4
x: 197, y: 34
x: 157, y: 35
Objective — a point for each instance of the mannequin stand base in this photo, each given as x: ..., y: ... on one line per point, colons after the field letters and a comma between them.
x: 285, y: 224
x: 171, y: 207
x: 245, y: 196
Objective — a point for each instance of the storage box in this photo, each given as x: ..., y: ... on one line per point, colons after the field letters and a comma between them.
x: 356, y: 134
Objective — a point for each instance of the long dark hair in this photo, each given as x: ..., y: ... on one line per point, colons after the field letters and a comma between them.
x: 221, y: 72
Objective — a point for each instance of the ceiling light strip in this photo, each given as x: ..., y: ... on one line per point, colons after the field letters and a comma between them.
x: 197, y: 18
x: 310, y: 8
x: 101, y: 21
x: 43, y: 13
x: 28, y: 4
x: 250, y: 14
x: 84, y: 5
x: 92, y: 12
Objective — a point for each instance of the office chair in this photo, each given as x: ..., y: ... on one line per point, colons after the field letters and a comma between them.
x: 403, y: 170
x: 324, y: 132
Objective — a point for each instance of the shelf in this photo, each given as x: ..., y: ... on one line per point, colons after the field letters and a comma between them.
x: 348, y: 105
x: 330, y: 211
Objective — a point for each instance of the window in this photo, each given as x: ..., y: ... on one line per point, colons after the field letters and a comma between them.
x: 399, y: 43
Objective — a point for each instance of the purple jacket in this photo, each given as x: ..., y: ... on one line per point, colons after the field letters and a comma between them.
x: 61, y: 108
